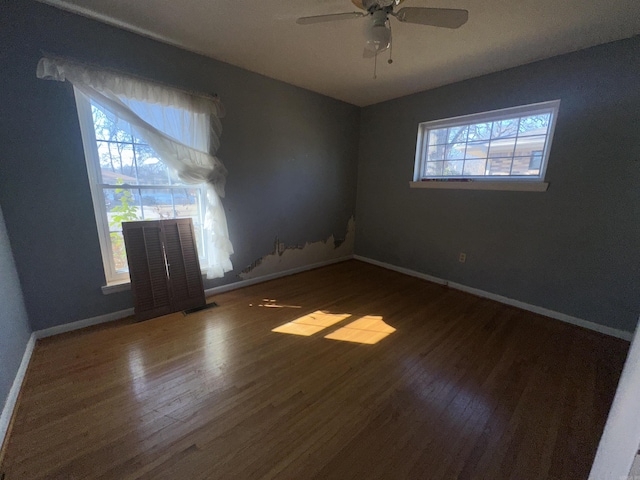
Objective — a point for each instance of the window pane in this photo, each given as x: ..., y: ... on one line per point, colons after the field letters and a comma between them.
x: 501, y: 148
x: 118, y: 251
x: 534, y: 125
x: 477, y: 150
x: 107, y: 128
x: 499, y: 166
x: 436, y: 152
x: 102, y: 125
x: 524, y: 166
x: 457, y: 134
x: 151, y: 171
x: 157, y: 203
x: 186, y: 203
x: 174, y: 180
x: 480, y: 131
x: 116, y: 163
x: 438, y: 136
x: 505, y: 128
x: 474, y: 167
x: 122, y: 205
x: 535, y: 161
x: 434, y: 169
x: 527, y: 145
x: 453, y: 168
x: 455, y: 151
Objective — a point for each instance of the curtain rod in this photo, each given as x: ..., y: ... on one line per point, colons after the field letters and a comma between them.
x: 211, y: 96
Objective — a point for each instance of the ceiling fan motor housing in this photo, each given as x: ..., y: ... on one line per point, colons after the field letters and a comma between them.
x: 379, y: 35
x: 373, y: 5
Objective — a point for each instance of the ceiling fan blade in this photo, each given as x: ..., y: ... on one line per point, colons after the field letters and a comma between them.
x: 435, y: 17
x: 329, y: 18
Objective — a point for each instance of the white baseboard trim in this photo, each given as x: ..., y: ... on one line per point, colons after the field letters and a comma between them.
x: 614, y: 332
x: 12, y: 398
x: 406, y: 271
x: 273, y: 276
x: 87, y: 322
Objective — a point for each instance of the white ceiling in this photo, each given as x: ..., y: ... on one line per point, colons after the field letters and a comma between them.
x: 262, y: 36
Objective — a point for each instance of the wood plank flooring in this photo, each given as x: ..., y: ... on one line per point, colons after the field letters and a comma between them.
x: 461, y: 387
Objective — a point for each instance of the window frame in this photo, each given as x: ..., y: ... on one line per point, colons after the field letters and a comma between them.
x: 423, y: 181
x: 92, y: 160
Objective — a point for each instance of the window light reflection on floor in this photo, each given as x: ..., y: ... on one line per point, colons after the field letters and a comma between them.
x: 369, y: 329
x: 311, y: 323
x: 268, y: 303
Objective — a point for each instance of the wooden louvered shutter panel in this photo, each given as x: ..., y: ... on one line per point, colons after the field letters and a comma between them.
x: 147, y: 268
x: 187, y: 290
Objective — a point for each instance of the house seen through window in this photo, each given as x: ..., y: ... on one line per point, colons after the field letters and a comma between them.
x: 511, y: 144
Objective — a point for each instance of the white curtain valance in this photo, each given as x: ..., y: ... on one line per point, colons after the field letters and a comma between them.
x: 182, y: 128
x: 51, y: 68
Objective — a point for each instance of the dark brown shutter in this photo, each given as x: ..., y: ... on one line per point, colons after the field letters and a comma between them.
x: 164, y: 267
x: 182, y: 261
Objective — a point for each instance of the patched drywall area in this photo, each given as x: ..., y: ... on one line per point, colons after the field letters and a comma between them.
x: 284, y: 257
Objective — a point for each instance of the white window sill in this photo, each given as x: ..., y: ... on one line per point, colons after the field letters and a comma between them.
x: 522, y: 186
x: 115, y: 288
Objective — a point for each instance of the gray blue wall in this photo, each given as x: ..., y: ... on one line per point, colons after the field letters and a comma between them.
x: 574, y: 249
x: 295, y: 159
x: 14, y: 326
x: 291, y: 156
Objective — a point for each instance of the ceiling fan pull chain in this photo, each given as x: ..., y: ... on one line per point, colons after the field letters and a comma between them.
x: 390, y: 61
x: 375, y: 66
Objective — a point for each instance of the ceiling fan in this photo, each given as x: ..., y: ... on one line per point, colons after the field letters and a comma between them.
x: 379, y: 33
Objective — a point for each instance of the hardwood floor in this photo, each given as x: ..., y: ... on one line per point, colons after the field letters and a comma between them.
x: 464, y: 388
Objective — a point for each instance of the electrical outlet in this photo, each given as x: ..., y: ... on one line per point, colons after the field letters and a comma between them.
x: 462, y: 257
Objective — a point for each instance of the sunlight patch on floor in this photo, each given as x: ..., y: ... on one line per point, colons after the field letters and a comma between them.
x: 369, y: 329
x: 312, y: 323
x: 137, y: 371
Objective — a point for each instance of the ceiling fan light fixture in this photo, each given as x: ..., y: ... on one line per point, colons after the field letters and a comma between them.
x: 379, y: 37
x: 379, y: 34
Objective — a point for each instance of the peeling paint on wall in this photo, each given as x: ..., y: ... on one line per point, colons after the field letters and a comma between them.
x: 285, y: 257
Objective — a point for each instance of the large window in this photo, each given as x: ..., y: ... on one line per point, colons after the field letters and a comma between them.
x: 151, y: 154
x: 509, y: 144
x: 129, y: 182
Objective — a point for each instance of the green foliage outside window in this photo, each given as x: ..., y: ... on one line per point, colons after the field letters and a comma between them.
x: 125, y: 211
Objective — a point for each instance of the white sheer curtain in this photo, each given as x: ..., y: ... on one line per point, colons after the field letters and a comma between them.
x: 183, y: 129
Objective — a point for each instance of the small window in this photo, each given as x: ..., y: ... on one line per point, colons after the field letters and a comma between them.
x: 509, y: 144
